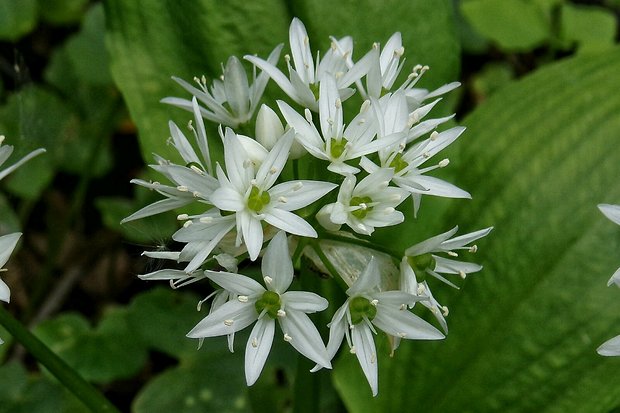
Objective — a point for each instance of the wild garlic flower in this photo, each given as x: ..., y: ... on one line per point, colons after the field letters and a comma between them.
x: 231, y: 100
x: 250, y: 193
x: 612, y: 346
x: 363, y: 207
x: 304, y: 79
x: 367, y: 308
x: 255, y: 303
x: 335, y: 143
x: 423, y: 256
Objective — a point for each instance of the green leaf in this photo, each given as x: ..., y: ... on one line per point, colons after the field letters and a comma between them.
x: 592, y: 28
x: 515, y: 25
x: 17, y: 18
x: 162, y: 317
x: 538, y: 157
x: 62, y: 11
x: 111, y: 351
x: 24, y: 393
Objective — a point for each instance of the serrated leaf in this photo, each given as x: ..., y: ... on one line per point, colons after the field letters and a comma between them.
x: 540, y: 155
x: 515, y: 25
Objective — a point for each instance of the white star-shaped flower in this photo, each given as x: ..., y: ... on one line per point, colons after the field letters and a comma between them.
x: 231, y: 100
x: 363, y: 207
x: 304, y: 79
x: 250, y: 193
x: 366, y: 308
x: 255, y: 303
x: 423, y: 256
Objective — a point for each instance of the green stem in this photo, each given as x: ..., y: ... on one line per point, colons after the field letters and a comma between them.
x: 65, y: 374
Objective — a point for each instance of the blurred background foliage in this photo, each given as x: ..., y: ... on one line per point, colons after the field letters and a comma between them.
x: 539, y: 97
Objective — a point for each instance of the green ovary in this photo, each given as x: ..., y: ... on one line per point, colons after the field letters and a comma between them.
x: 337, y: 147
x: 357, y: 201
x: 270, y: 301
x: 257, y: 199
x: 420, y: 263
x: 398, y: 163
x: 360, y: 307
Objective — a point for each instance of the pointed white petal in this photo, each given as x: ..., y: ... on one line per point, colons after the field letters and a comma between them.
x: 272, y: 166
x: 432, y: 186
x: 305, y: 338
x: 300, y: 49
x: 252, y: 233
x: 611, y: 211
x: 21, y: 162
x: 610, y: 347
x: 297, y: 196
x: 275, y: 74
x: 464, y: 239
x: 364, y: 345
x: 404, y: 324
x: 5, y: 292
x: 237, y: 87
x: 615, y: 279
x: 289, y: 222
x: 277, y: 264
x: 236, y: 283
x: 448, y: 266
x: 304, y: 301
x: 227, y: 199
x: 258, y: 347
x: 367, y: 281
x: 306, y: 134
x: 431, y: 244
x: 227, y: 319
x: 7, y: 245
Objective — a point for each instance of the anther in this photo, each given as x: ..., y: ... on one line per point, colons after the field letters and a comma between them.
x: 434, y: 135
x: 182, y: 217
x: 243, y: 298
x: 452, y: 254
x: 187, y: 224
x: 287, y: 338
x: 228, y: 322
x: 374, y: 302
x: 298, y: 186
x: 197, y: 170
x: 352, y: 350
x: 463, y: 274
x: 287, y: 57
x: 254, y: 342
x: 182, y: 188
x: 402, y: 335
x: 273, y: 170
x: 282, y: 200
x: 338, y: 103
x: 389, y: 210
x: 196, y: 194
x: 421, y: 289
x: 445, y: 311
x: 268, y: 279
x: 281, y: 313
x: 206, y: 220
x: 473, y: 249
x: 444, y: 163
x: 308, y: 115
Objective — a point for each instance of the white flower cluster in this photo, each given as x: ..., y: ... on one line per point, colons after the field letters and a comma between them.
x: 612, y: 346
x: 315, y: 177
x: 9, y: 241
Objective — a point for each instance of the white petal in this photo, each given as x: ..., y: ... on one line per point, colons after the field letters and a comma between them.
x: 235, y: 283
x: 304, y: 301
x: 330, y: 116
x: 307, y: 135
x: 431, y: 186
x: 305, y: 338
x: 611, y: 211
x: 396, y: 298
x: 273, y: 164
x: 252, y: 233
x: 5, y: 292
x: 20, y: 162
x: 275, y: 74
x: 277, y: 264
x: 227, y: 319
x: 337, y: 327
x: 448, y: 266
x: 404, y: 324
x: 7, y: 245
x: 258, y: 347
x: 298, y: 196
x: 465, y: 239
x: 366, y: 354
x: 610, y: 347
x: 300, y: 49
x: 367, y: 281
x: 236, y: 86
x: 227, y: 199
x: 290, y: 223
x: 615, y: 279
x: 431, y: 244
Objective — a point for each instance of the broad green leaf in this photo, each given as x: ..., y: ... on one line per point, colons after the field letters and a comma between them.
x: 162, y: 317
x: 592, y: 28
x: 30, y: 393
x: 515, y: 25
x: 150, y: 42
x: 62, y: 11
x: 538, y: 157
x: 109, y: 352
x: 17, y: 18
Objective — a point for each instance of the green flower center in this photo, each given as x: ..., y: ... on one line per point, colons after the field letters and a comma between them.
x: 420, y: 263
x: 258, y: 199
x: 270, y: 301
x: 398, y: 163
x: 360, y: 307
x: 362, y: 201
x: 337, y: 147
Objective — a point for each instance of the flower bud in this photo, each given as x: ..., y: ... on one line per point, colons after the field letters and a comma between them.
x: 268, y: 127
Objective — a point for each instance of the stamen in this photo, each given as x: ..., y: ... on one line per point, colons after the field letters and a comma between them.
x: 287, y: 338
x: 206, y: 220
x: 243, y: 298
x: 182, y: 217
x: 463, y: 274
x: 402, y: 335
x: 421, y: 289
x: 281, y: 313
x: 273, y: 170
x: 308, y: 115
x: 338, y: 103
x: 268, y: 279
x: 445, y: 311
x: 228, y: 322
x: 373, y: 358
x: 374, y: 302
x: 352, y: 350
x: 434, y: 135
x: 196, y: 194
x: 452, y: 254
x: 197, y: 170
x: 282, y: 200
x: 254, y: 342
x: 182, y: 188
x: 187, y: 224
x: 287, y: 58
x: 298, y: 186
x: 473, y: 249
x: 444, y: 163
